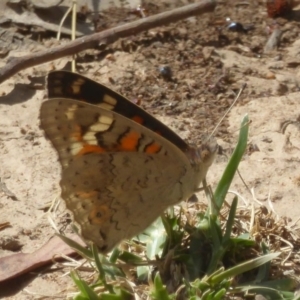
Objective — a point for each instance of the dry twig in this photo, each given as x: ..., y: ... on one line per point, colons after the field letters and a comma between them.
x: 273, y: 41
x: 108, y: 36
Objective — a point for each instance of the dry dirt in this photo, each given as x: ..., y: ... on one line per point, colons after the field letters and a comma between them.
x: 209, y: 64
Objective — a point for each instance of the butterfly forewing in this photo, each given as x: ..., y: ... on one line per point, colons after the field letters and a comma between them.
x: 76, y: 128
x: 62, y: 84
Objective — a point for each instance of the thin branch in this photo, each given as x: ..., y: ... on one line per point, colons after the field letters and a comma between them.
x: 108, y: 36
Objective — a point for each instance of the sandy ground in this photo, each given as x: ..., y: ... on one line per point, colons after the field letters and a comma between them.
x: 209, y: 64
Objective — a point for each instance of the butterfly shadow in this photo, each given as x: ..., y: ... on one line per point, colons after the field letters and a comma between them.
x: 20, y: 93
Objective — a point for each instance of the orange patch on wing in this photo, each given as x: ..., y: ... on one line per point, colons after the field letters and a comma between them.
x: 91, y: 149
x: 129, y: 142
x: 153, y: 148
x: 138, y: 119
x: 99, y: 214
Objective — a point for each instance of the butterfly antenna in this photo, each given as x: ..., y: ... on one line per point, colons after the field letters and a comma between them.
x: 228, y: 110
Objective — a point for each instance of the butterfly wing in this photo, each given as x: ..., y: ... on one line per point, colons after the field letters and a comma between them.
x: 117, y: 176
x: 62, y: 84
x: 116, y: 196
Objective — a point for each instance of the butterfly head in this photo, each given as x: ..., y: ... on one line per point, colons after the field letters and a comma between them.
x: 204, y: 155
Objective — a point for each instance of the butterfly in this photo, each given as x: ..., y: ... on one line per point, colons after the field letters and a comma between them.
x: 120, y: 166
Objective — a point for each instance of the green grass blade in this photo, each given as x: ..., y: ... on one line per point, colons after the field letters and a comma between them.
x: 159, y: 291
x: 230, y: 222
x: 77, y: 247
x: 243, y: 267
x: 231, y: 168
x: 86, y: 291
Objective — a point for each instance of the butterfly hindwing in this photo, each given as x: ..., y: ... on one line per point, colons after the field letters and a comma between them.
x: 116, y: 196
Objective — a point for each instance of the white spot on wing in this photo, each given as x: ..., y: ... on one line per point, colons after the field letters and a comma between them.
x: 99, y: 127
x: 106, y: 106
x: 90, y: 138
x: 109, y: 100
x: 106, y: 120
x: 76, y: 85
x: 75, y: 148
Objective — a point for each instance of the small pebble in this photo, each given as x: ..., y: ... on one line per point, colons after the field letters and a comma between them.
x: 165, y: 71
x: 236, y: 26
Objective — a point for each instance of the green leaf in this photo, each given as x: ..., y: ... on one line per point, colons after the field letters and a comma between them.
x: 243, y: 267
x: 154, y: 237
x: 130, y: 258
x: 85, y: 290
x: 159, y: 291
